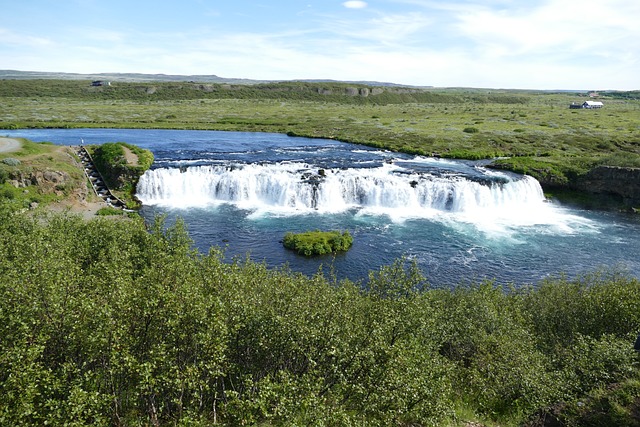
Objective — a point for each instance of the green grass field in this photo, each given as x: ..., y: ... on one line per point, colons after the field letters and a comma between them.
x: 536, y: 132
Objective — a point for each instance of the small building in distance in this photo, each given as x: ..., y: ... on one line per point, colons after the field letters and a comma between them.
x: 592, y: 104
x: 587, y: 104
x: 100, y: 83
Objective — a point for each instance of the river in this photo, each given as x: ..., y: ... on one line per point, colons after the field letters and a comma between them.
x: 460, y: 221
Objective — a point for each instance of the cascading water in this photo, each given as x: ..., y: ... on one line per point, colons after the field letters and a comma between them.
x: 297, y: 188
x: 459, y: 221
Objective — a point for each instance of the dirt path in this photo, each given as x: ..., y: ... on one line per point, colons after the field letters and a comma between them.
x: 86, y: 209
x: 9, y: 144
x: 132, y: 159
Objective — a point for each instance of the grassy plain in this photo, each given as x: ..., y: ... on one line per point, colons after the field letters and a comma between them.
x: 534, y: 132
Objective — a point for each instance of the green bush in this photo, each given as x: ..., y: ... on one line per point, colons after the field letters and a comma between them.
x: 10, y: 126
x: 109, y: 211
x: 11, y: 161
x: 545, y: 171
x: 119, y: 175
x: 471, y: 129
x: 110, y: 155
x: 630, y: 160
x: 317, y: 242
x: 4, y: 175
x: 110, y: 159
x: 107, y: 322
x: 8, y: 192
x: 616, y: 405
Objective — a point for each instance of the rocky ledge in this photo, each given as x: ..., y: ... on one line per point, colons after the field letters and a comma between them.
x: 612, y: 180
x: 48, y: 181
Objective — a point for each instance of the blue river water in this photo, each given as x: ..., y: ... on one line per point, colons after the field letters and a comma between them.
x: 459, y: 221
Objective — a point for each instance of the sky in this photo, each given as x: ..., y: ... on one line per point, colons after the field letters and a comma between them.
x: 511, y: 44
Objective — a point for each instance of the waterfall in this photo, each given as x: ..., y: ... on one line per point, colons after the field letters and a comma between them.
x: 296, y: 187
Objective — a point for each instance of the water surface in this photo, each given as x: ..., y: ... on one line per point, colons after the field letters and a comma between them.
x: 460, y: 221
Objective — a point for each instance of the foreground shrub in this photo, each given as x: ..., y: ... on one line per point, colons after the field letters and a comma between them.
x: 4, y: 175
x: 121, y: 323
x: 11, y: 161
x: 109, y: 211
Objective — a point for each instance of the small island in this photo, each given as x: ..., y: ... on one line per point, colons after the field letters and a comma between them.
x: 121, y: 165
x: 313, y: 243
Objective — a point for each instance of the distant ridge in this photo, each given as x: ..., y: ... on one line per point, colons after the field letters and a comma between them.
x: 141, y: 77
x: 122, y: 77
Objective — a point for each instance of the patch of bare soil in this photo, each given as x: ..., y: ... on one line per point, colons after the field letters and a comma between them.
x: 130, y: 157
x: 86, y: 209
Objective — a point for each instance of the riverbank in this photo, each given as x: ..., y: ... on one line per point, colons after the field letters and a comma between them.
x: 45, y: 177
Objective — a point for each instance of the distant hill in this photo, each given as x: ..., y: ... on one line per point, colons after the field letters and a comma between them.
x: 122, y: 77
x: 140, y: 77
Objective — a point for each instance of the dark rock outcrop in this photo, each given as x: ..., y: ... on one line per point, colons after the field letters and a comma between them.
x: 48, y: 181
x: 612, y: 180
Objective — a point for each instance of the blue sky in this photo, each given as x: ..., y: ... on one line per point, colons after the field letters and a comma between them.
x: 548, y: 44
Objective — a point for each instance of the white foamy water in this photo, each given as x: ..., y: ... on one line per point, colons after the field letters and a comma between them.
x: 296, y: 188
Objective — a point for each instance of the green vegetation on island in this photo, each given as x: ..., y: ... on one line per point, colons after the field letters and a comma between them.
x: 312, y: 243
x: 121, y: 165
x: 109, y: 323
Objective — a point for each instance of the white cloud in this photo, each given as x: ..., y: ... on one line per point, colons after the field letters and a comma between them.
x: 270, y: 56
x: 100, y: 35
x: 384, y: 29
x: 586, y: 27
x: 355, y: 4
x: 12, y: 38
x: 399, y: 26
